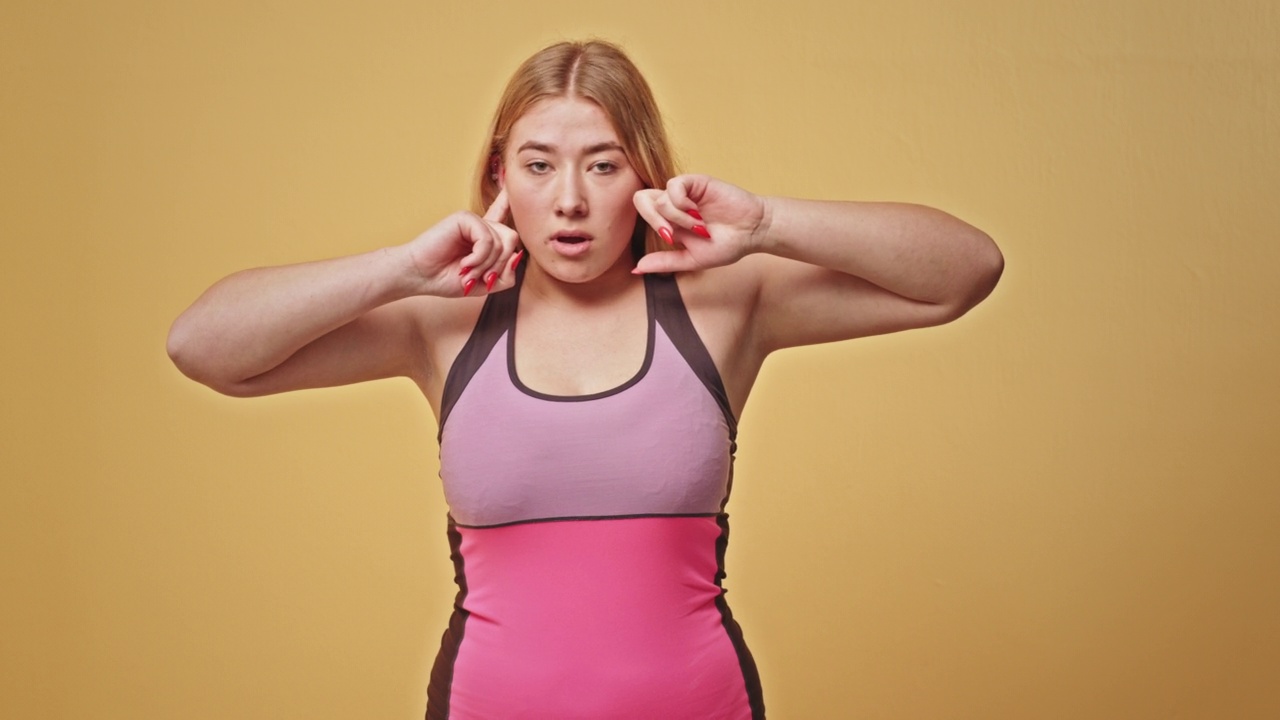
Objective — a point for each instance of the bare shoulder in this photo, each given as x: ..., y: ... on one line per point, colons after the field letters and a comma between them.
x: 442, y: 326
x: 763, y: 303
x: 720, y: 302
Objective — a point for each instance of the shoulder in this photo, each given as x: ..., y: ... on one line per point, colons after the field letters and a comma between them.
x: 721, y: 304
x: 727, y: 288
x: 743, y: 290
x: 441, y: 327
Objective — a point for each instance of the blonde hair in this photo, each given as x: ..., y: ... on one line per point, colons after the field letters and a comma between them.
x: 602, y: 73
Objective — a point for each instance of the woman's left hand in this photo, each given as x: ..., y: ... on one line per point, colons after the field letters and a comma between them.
x: 707, y: 222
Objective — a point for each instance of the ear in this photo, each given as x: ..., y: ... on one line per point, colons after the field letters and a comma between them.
x: 498, y: 172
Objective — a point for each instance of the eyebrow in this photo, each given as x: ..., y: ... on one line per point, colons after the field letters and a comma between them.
x: 590, y: 150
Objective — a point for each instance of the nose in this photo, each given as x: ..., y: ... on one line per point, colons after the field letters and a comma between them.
x: 571, y: 200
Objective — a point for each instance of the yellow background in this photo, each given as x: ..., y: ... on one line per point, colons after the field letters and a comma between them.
x: 1063, y: 506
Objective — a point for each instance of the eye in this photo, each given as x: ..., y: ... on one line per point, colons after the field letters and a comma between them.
x: 538, y: 167
x: 605, y: 167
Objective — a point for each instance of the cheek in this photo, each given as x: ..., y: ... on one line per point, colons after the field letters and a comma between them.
x: 616, y: 196
x: 525, y: 204
x: 621, y: 205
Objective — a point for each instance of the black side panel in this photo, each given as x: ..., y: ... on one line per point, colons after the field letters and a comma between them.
x: 441, y: 685
x: 750, y: 675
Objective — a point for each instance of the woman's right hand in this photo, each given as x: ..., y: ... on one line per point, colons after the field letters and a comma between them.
x: 466, y: 254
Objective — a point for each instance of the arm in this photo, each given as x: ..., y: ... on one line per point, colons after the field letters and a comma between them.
x: 338, y: 321
x: 826, y: 271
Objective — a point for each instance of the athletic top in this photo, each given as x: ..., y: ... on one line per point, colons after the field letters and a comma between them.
x: 588, y: 535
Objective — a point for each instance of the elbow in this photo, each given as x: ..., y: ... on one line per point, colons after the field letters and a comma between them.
x: 982, y: 274
x: 989, y: 268
x: 185, y: 352
x: 179, y: 346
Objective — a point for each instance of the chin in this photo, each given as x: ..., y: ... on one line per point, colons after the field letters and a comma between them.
x: 579, y: 273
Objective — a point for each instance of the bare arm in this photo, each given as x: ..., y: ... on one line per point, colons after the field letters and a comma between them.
x: 824, y: 271
x: 252, y: 322
x: 338, y: 321
x: 866, y: 269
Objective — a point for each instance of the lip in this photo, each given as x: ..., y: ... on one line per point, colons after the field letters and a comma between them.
x: 574, y: 249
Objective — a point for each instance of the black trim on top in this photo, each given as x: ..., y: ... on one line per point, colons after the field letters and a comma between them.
x: 650, y: 322
x: 440, y: 688
x: 674, y: 318
x: 495, y: 319
x: 673, y: 315
x: 664, y: 305
x: 571, y: 518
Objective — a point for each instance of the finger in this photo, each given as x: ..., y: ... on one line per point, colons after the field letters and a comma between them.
x: 507, y: 277
x: 667, y: 204
x: 497, y: 211
x: 644, y: 202
x: 501, y: 272
x: 684, y: 210
x: 688, y: 191
x: 486, y: 263
x: 490, y: 269
x: 666, y: 261
x: 502, y: 276
x: 484, y: 245
x: 678, y: 192
x: 649, y: 203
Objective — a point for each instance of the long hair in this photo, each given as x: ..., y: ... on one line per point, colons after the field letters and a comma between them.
x: 602, y: 73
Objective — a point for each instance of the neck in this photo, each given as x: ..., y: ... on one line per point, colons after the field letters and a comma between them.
x: 611, y: 285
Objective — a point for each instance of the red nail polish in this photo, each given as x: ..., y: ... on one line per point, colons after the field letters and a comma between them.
x: 489, y: 280
x: 701, y: 231
x: 465, y: 269
x: 516, y: 260
x: 466, y: 287
x: 694, y: 214
x: 665, y: 234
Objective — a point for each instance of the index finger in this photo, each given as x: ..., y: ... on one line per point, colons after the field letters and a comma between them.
x: 682, y: 190
x: 497, y: 212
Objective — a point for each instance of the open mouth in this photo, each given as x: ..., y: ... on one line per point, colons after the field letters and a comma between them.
x: 571, y: 237
x: 571, y: 244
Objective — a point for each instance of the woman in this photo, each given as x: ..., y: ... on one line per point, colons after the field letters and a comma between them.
x: 586, y: 458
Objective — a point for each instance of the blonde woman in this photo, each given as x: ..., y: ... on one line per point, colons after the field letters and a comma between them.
x: 587, y: 339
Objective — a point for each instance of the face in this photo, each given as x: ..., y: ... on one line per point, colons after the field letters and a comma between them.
x: 570, y: 188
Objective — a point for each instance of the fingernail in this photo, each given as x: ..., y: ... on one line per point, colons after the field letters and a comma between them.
x: 636, y: 271
x: 694, y: 214
x: 516, y: 260
x: 466, y: 287
x: 465, y: 269
x: 701, y: 231
x: 665, y: 234
x: 489, y: 279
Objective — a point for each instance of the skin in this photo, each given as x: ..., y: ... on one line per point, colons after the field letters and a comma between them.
x: 565, y: 172
x: 757, y: 274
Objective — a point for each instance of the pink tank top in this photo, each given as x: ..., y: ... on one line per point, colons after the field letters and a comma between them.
x: 588, y: 535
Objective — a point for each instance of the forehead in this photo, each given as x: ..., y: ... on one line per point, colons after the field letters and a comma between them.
x: 567, y: 123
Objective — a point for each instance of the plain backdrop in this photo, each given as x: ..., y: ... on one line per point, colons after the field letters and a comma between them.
x: 1065, y: 505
